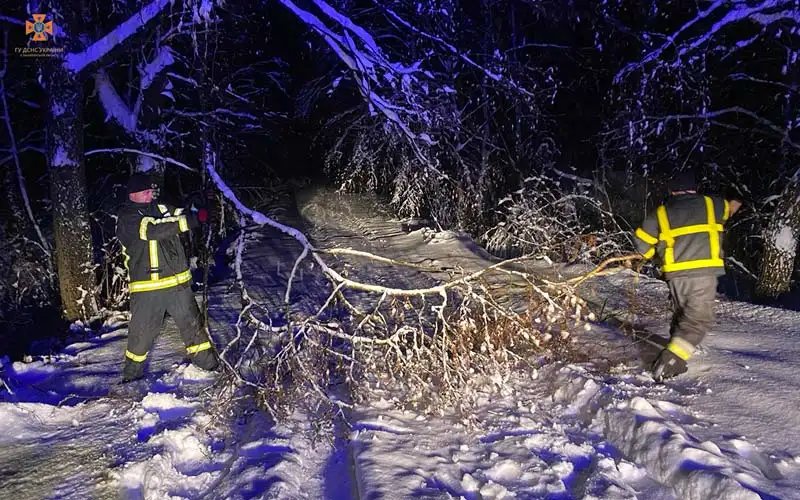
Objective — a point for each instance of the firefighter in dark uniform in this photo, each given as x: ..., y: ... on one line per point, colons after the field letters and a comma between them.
x: 159, y: 276
x: 686, y: 234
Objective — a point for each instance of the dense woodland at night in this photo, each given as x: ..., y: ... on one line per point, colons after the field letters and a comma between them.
x: 534, y: 126
x: 399, y: 249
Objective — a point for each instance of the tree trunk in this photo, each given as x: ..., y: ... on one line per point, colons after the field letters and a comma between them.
x: 780, y: 244
x: 68, y: 191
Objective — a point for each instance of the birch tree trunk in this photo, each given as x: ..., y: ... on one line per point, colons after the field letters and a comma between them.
x: 71, y: 227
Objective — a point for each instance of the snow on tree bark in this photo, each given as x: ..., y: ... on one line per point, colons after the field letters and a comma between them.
x: 68, y: 190
x: 780, y: 244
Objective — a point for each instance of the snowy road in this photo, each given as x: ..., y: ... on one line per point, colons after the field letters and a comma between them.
x: 729, y: 429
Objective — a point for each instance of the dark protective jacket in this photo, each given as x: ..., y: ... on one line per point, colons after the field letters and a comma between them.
x: 686, y: 234
x: 154, y: 255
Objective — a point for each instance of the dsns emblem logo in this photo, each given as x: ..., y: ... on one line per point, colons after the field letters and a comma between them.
x: 39, y: 28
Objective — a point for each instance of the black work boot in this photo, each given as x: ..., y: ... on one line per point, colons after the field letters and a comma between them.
x: 207, y: 360
x: 132, y: 370
x: 668, y: 365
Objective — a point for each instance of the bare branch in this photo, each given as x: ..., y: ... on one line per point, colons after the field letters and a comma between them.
x: 494, y: 76
x: 9, y: 19
x: 732, y: 110
x: 743, y: 76
x: 141, y: 153
x: 23, y: 149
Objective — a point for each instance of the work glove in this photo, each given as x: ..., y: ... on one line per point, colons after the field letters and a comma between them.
x: 668, y: 365
x: 204, y: 201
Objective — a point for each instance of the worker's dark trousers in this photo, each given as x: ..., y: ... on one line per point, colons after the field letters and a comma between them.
x: 693, y: 308
x: 147, y: 316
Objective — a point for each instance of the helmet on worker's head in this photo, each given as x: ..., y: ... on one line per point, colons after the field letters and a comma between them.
x: 682, y: 181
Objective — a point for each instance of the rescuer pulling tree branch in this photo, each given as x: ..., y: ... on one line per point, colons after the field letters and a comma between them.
x: 686, y: 234
x: 159, y: 276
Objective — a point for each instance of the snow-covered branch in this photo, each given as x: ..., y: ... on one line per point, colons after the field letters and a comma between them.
x: 113, y: 104
x: 76, y: 62
x: 741, y: 12
x: 370, y: 67
x: 577, y: 179
x: 148, y: 72
x: 188, y: 80
x: 453, y: 50
x: 782, y: 131
x: 764, y: 12
x: 669, y: 42
x: 141, y: 153
x: 449, y: 331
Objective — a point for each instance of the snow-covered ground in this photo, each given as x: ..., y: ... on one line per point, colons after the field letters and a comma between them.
x: 728, y: 429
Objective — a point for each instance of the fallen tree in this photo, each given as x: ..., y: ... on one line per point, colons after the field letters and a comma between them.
x: 428, y: 344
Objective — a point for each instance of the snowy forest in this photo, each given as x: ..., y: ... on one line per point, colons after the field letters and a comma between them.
x: 532, y: 126
x: 536, y: 128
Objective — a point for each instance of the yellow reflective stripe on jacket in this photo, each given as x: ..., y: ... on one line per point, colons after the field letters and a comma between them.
x: 160, y: 284
x: 693, y: 264
x: 668, y: 235
x: 143, y: 227
x: 713, y: 230
x: 681, y: 348
x: 644, y: 236
x: 194, y: 349
x: 153, y: 244
x: 135, y: 357
x: 697, y: 228
x: 180, y: 219
x: 649, y: 254
x: 163, y: 208
x: 726, y: 211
